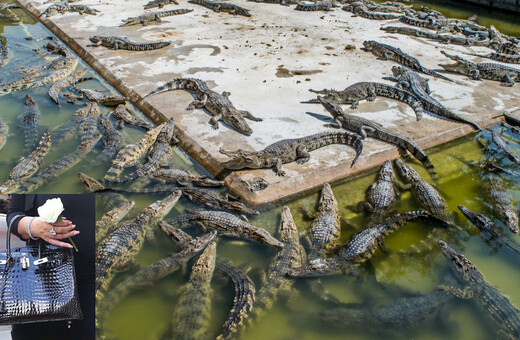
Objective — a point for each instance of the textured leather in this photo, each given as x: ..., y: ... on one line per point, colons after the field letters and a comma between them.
x: 41, y: 292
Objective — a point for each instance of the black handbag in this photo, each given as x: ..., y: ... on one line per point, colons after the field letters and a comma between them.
x: 37, y: 284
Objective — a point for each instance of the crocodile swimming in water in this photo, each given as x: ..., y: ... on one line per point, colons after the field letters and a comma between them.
x: 4, y: 131
x: 68, y: 129
x: 112, y: 140
x: 217, y: 104
x: 108, y: 221
x: 368, y: 128
x: 492, y: 71
x: 492, y: 302
x: 29, y: 122
x: 502, y: 203
x: 501, y: 143
x: 290, y: 150
x: 118, y: 249
x: 55, y: 89
x: 108, y: 198
x: 123, y: 116
x: 183, y: 177
x: 98, y: 97
x: 88, y: 127
x: 323, y: 5
x: 211, y: 199
x: 123, y: 43
x: 144, y: 19
x: 227, y: 225
x: 27, y: 166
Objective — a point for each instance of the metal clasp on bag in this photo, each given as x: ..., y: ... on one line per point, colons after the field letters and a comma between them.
x: 40, y: 261
x: 24, y: 262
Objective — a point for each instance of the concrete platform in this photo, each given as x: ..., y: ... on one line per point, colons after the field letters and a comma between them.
x: 268, y: 62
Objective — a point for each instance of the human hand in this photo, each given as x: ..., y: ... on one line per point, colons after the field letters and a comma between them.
x: 52, y: 233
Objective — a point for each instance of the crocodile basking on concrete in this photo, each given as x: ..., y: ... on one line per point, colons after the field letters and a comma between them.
x: 217, y: 104
x: 505, y: 58
x: 88, y: 127
x: 412, y: 82
x: 222, y: 7
x: 4, y: 132
x: 275, y: 281
x: 107, y: 198
x: 112, y: 140
x: 227, y: 225
x: 131, y: 154
x: 184, y: 177
x: 290, y: 150
x: 122, y: 114
x: 483, y: 223
x: 123, y: 43
x: 61, y: 8
x: 442, y: 38
x: 323, y: 5
x: 144, y: 19
x: 279, y: 2
x: 369, y: 91
x: 359, y: 9
x: 29, y: 122
x: 368, y: 128
x: 118, y: 249
x: 159, y: 3
x: 27, y: 166
x: 502, y: 203
x: 501, y: 143
x: 387, y: 52
x: 492, y: 302
x: 192, y: 314
x: 109, y: 220
x: 359, y: 249
x: 491, y: 71
x: 68, y: 129
x: 55, y: 89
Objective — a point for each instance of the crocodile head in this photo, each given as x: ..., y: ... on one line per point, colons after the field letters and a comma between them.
x: 234, y: 119
x: 462, y: 267
x: 343, y: 317
x: 287, y: 231
x: 95, y: 39
x: 333, y: 108
x: 398, y: 70
x: 198, y: 244
x: 317, y: 267
x: 29, y: 101
x: 243, y: 161
x: 203, y: 268
x: 261, y: 235
x: 160, y: 208
x: 90, y: 183
x: 9, y: 186
x: 368, y: 45
x: 167, y: 132
x: 327, y: 200
x: 406, y: 171
x: 180, y: 237
x: 461, y: 65
x: 480, y: 221
x: 386, y: 173
x: 240, y: 207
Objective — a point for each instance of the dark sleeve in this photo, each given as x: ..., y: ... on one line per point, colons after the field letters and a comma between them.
x: 15, y: 213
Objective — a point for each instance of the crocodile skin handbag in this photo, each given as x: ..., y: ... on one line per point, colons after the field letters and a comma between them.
x: 37, y: 284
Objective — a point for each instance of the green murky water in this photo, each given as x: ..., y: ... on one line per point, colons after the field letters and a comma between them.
x: 147, y: 313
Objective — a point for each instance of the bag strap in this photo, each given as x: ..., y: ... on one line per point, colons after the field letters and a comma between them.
x: 8, y: 264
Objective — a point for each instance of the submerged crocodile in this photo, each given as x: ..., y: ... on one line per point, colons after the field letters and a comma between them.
x: 184, y: 177
x: 62, y: 7
x: 98, y: 97
x: 118, y: 249
x: 211, y: 199
x: 442, y: 38
x: 106, y: 223
x: 55, y: 89
x: 218, y: 105
x: 387, y: 52
x: 493, y: 303
x: 88, y: 127
x: 123, y: 116
x: 159, y: 3
x: 368, y: 128
x: 131, y: 154
x: 227, y: 225
x: 112, y: 140
x: 4, y: 131
x: 68, y: 129
x: 485, y: 224
x: 274, y: 281
x: 192, y: 313
x: 222, y: 7
x: 369, y: 91
x: 323, y: 5
x: 491, y: 71
x: 414, y: 83
x: 502, y: 203
x: 144, y: 19
x: 501, y: 143
x: 290, y: 150
x: 109, y: 199
x: 359, y: 249
x: 29, y: 122
x: 424, y: 192
x: 4, y: 51
x: 27, y: 166
x: 123, y: 43
x: 380, y: 195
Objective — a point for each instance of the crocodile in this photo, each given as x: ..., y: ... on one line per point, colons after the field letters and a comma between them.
x: 218, y: 105
x: 29, y: 122
x: 160, y: 155
x: 98, y: 97
x: 27, y: 166
x: 369, y: 91
x: 68, y: 129
x: 359, y: 249
x: 424, y: 192
x: 368, y: 128
x: 130, y: 154
x: 222, y: 7
x: 381, y: 194
x: 505, y: 58
x: 159, y: 3
x: 491, y: 71
x: 502, y: 203
x: 55, y: 89
x: 108, y: 198
x: 4, y: 51
x: 112, y: 140
x: 290, y: 150
x: 493, y: 303
x: 227, y: 225
x: 64, y: 68
x: 182, y: 177
x: 148, y: 275
x: 242, y: 302
x: 61, y: 8
x: 279, y: 2
x: 10, y: 17
x: 507, y: 48
x: 4, y: 132
x: 118, y: 249
x: 274, y: 281
x: 442, y: 38
x: 323, y: 5
x: 361, y: 10
x: 501, y: 143
x: 144, y: 19
x: 89, y: 125
x: 192, y: 313
x: 3, y: 7
x: 123, y: 43
x: 387, y: 52
x: 429, y: 22
x: 484, y: 224
x: 211, y: 199
x: 414, y: 83
x: 123, y: 116
x: 109, y: 220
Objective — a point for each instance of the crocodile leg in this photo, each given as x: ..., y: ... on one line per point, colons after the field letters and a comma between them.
x: 248, y: 115
x: 466, y: 293
x: 475, y: 75
x: 198, y: 104
x: 214, y: 121
x: 303, y: 155
x: 508, y: 82
x: 363, y: 131
x: 278, y: 167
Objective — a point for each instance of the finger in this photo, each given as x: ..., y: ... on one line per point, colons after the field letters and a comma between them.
x: 69, y: 234
x: 64, y: 229
x: 62, y: 223
x: 57, y: 243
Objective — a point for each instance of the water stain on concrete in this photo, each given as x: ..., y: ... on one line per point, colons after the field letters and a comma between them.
x: 186, y: 50
x: 194, y: 70
x: 282, y: 72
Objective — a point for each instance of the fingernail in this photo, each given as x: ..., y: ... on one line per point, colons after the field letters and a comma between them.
x: 69, y: 246
x: 76, y: 232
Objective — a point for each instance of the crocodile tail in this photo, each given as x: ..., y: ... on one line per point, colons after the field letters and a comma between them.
x: 178, y: 11
x: 435, y: 74
x: 355, y: 141
x: 176, y: 84
x: 417, y: 152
